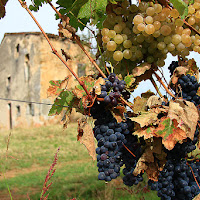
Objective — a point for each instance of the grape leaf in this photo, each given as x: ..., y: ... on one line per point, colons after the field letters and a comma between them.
x: 181, y: 6
x: 57, y: 86
x: 147, y: 94
x: 153, y: 101
x: 129, y: 79
x: 86, y: 136
x: 97, y: 85
x: 83, y: 10
x: 91, y: 85
x: 152, y: 160
x: 141, y: 69
x: 64, y: 100
x: 118, y: 113
x: 147, y: 133
x: 170, y: 132
x: 139, y: 105
x: 91, y: 7
x: 145, y: 119
x: 178, y: 72
x: 36, y: 4
x: 197, y: 197
x: 186, y: 115
x: 79, y: 92
x: 2, y: 8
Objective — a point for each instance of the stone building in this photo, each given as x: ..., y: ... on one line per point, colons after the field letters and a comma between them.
x: 27, y: 65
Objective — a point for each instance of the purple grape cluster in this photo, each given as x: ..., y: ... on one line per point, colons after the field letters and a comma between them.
x: 110, y: 137
x: 172, y: 67
x: 189, y: 87
x: 176, y: 181
x: 113, y: 89
x: 129, y: 160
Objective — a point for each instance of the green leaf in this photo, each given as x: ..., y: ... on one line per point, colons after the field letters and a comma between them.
x: 129, y: 80
x: 113, y: 1
x: 191, y: 2
x: 168, y: 128
x: 55, y: 83
x: 91, y: 7
x: 64, y: 100
x: 79, y: 92
x: 83, y: 10
x: 181, y: 6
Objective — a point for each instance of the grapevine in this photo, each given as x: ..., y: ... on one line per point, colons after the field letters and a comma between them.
x: 156, y: 136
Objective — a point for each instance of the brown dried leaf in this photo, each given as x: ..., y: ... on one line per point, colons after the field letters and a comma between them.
x: 86, y: 136
x: 145, y: 132
x: 193, y: 68
x: 147, y: 94
x: 170, y: 132
x: 118, y: 113
x: 178, y: 72
x: 197, y: 197
x: 154, y: 100
x: 145, y: 119
x: 139, y: 105
x: 79, y: 92
x: 57, y: 87
x: 66, y: 120
x: 147, y: 161
x: 2, y: 8
x: 64, y: 32
x: 198, y: 91
x: 139, y: 70
x: 186, y: 115
x: 97, y: 85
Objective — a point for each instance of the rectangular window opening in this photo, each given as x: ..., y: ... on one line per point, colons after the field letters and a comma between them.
x: 18, y: 111
x: 8, y: 82
x: 31, y: 109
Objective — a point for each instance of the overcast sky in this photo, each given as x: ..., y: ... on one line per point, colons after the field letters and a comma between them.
x: 18, y: 20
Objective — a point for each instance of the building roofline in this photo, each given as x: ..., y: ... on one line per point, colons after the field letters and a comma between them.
x: 32, y: 33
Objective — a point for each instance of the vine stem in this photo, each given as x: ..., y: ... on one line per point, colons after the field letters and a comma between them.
x: 77, y: 39
x: 193, y: 175
x: 54, y: 51
x: 160, y: 80
x: 156, y: 87
x: 191, y: 27
x: 129, y: 150
x: 126, y: 102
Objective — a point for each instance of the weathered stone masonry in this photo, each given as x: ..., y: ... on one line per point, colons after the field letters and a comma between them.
x: 27, y: 65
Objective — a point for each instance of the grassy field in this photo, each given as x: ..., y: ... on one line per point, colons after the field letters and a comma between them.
x: 25, y: 164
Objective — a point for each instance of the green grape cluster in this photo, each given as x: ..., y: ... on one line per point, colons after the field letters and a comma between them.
x: 146, y: 33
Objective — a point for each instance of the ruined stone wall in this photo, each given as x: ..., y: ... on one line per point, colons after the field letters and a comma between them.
x: 27, y: 65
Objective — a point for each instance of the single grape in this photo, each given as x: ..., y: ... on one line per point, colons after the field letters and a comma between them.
x: 157, y: 8
x: 165, y: 30
x: 118, y: 56
x: 104, y: 31
x: 149, y: 29
x: 141, y: 27
x: 127, y: 44
x: 111, y: 34
x: 111, y: 46
x: 138, y: 19
x: 127, y: 54
x: 149, y: 20
x: 118, y: 39
x: 118, y: 28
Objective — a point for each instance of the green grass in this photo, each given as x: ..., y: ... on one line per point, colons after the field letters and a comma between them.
x: 30, y: 154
